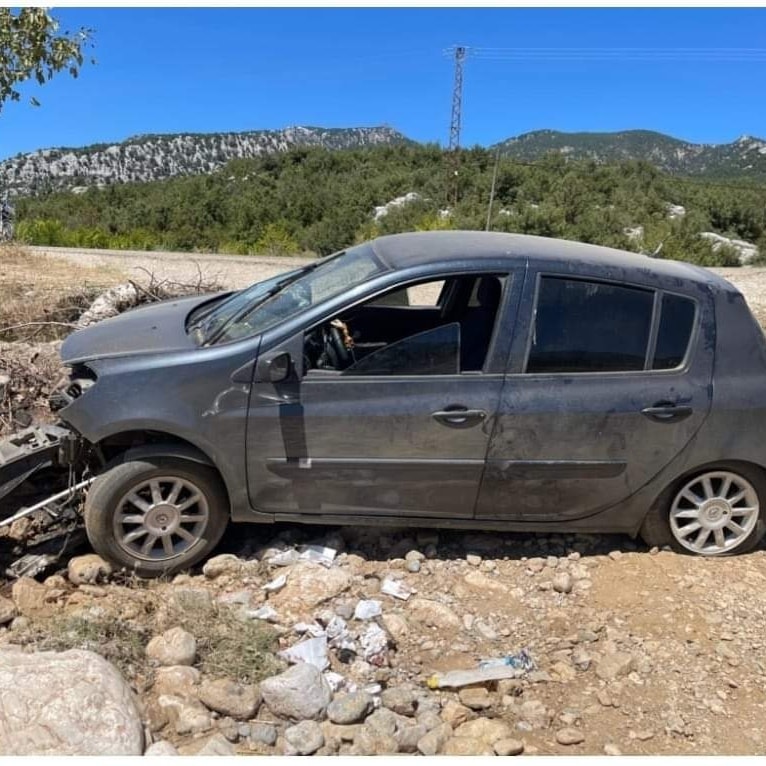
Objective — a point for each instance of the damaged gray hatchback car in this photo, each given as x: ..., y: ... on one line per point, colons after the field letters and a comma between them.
x: 445, y: 379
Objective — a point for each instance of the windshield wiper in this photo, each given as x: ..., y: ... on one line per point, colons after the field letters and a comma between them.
x: 278, y: 287
x: 205, y: 313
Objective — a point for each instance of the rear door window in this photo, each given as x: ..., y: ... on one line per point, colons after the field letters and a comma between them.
x: 583, y: 326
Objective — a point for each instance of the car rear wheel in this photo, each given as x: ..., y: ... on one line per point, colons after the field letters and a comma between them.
x: 716, y: 512
x: 156, y: 515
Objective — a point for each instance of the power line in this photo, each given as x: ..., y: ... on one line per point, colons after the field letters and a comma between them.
x: 618, y: 54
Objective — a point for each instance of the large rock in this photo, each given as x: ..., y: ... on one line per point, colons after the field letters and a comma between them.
x: 225, y: 564
x: 300, y: 693
x: 483, y: 583
x: 486, y: 730
x: 466, y: 746
x: 433, y: 614
x: 304, y: 738
x: 433, y: 742
x: 66, y: 703
x: 454, y: 713
x: 350, y: 708
x: 7, y: 610
x: 310, y: 585
x: 30, y: 597
x: 174, y: 647
x: 178, y: 680
x: 239, y: 701
x: 476, y: 698
x: 88, y: 569
x: 372, y: 741
x: 187, y: 716
x: 401, y: 700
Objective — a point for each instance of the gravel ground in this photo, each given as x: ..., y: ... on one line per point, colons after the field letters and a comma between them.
x: 636, y: 652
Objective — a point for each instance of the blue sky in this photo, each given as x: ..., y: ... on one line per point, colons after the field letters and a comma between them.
x: 198, y: 70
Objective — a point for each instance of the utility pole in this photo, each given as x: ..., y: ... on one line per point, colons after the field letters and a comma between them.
x: 454, y: 128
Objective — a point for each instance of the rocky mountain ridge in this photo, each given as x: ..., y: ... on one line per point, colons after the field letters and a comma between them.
x: 156, y: 157
x: 745, y: 157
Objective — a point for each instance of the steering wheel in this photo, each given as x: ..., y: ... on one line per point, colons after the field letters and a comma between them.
x: 342, y: 353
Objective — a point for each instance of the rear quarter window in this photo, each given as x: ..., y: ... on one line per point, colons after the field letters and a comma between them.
x: 676, y: 325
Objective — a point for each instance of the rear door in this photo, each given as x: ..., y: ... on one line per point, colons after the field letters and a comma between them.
x: 608, y: 381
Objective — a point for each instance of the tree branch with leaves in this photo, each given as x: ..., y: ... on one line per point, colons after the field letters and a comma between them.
x: 31, y: 47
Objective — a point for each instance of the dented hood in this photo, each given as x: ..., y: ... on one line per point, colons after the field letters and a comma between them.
x: 154, y: 329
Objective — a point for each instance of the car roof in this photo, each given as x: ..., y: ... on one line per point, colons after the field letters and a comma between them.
x: 400, y: 251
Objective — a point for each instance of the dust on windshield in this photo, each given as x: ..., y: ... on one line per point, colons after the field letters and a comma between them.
x: 281, y: 298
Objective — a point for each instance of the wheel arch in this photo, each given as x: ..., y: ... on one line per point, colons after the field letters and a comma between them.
x: 652, y: 526
x: 139, y: 444
x: 690, y: 473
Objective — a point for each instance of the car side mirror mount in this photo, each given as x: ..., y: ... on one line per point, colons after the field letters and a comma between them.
x: 277, y: 368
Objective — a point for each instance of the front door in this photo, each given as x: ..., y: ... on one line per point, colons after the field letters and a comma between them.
x: 403, y: 431
x: 615, y: 384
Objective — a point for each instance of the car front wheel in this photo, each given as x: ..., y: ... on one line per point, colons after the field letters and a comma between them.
x: 717, y: 512
x: 156, y: 515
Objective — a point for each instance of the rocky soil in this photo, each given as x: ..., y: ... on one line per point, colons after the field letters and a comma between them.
x: 633, y: 651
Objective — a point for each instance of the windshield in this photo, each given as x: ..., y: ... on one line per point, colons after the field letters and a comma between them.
x: 276, y: 300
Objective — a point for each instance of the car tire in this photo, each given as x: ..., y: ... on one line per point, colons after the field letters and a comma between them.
x: 678, y: 520
x: 183, y: 505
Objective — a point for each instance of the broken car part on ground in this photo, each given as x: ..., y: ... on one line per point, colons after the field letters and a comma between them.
x: 458, y: 379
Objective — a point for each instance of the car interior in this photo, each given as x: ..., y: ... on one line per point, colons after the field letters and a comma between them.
x: 389, y: 335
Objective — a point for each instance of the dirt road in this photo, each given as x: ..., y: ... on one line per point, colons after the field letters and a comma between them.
x: 238, y: 271
x: 233, y: 271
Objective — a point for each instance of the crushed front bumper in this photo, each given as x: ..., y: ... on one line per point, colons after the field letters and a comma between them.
x: 30, y: 451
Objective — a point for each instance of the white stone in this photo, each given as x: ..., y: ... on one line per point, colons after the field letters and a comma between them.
x: 174, y: 647
x: 300, y: 693
x: 746, y: 251
x: 66, y: 703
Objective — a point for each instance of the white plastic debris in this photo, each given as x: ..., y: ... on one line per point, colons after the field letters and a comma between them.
x: 309, y: 627
x: 336, y: 629
x: 375, y: 645
x: 367, y: 609
x: 265, y: 612
x: 313, y: 651
x: 454, y: 679
x: 284, y: 559
x: 276, y: 584
x: 335, y: 680
x: 396, y: 588
x: 320, y: 554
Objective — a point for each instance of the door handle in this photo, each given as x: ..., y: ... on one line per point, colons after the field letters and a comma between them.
x: 666, y: 412
x: 459, y: 417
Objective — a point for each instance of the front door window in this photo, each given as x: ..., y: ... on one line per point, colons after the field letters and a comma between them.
x: 442, y: 327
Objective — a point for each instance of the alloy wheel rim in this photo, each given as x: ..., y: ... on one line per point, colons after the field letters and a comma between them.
x: 161, y: 518
x: 714, y: 513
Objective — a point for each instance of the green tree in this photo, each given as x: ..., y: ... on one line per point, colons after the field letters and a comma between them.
x: 31, y: 47
x: 276, y: 240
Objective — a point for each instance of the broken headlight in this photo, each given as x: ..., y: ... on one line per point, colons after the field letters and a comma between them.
x: 71, y: 387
